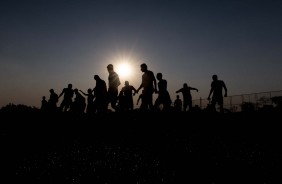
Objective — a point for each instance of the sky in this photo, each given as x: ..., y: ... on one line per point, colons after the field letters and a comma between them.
x: 48, y: 44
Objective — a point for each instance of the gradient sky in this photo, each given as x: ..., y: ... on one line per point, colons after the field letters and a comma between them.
x: 47, y: 44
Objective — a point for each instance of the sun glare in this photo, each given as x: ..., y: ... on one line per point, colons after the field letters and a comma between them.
x: 124, y: 69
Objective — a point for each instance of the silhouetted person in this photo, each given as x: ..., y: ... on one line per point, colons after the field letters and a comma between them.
x: 114, y: 82
x: 216, y: 90
x: 126, y: 96
x: 79, y: 104
x: 67, y: 101
x: 163, y: 95
x: 44, y: 104
x: 178, y: 104
x: 149, y: 85
x: 53, y: 100
x: 90, y: 101
x: 187, y: 97
x: 100, y: 95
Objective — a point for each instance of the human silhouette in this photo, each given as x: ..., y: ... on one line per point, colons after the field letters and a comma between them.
x: 79, y: 104
x: 90, y: 101
x: 163, y: 95
x: 178, y: 104
x: 114, y: 83
x: 187, y: 97
x: 67, y: 101
x: 216, y: 91
x: 126, y: 96
x: 100, y: 95
x: 53, y: 100
x: 149, y: 85
x: 44, y: 104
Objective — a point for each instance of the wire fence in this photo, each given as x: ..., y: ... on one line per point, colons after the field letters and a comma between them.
x: 237, y: 103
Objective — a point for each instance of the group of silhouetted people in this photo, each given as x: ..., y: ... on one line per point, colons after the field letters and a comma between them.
x: 100, y: 97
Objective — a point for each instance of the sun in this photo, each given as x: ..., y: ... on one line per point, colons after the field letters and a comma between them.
x: 124, y: 69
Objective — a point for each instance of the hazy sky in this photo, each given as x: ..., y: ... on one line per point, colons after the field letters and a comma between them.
x: 47, y: 44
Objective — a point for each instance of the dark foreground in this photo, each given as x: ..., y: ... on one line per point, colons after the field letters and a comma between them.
x: 141, y: 148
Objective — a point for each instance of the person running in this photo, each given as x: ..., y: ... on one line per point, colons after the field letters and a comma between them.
x: 149, y: 85
x: 187, y: 97
x: 216, y: 91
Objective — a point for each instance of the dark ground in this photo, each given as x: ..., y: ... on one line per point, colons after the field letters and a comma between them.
x: 141, y: 148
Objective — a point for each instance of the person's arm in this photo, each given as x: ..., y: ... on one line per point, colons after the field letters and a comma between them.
x: 155, y: 84
x: 138, y: 99
x: 194, y: 89
x: 62, y: 93
x: 83, y: 93
x: 178, y: 90
x: 225, y: 89
x: 141, y: 85
x: 133, y: 88
x: 211, y: 91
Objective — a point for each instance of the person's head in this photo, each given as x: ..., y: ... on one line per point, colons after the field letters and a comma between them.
x: 89, y: 90
x: 185, y: 85
x: 51, y: 90
x: 177, y: 96
x: 96, y: 77
x: 110, y: 67
x: 159, y: 76
x: 143, y: 67
x: 43, y: 97
x: 126, y: 83
x: 69, y: 86
x: 214, y: 77
x: 76, y: 91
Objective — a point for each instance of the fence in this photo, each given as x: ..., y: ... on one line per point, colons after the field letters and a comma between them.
x: 235, y: 103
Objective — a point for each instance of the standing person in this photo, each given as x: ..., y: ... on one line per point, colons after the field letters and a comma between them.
x: 216, y: 91
x: 67, y: 101
x: 44, y: 104
x: 90, y: 99
x: 79, y: 104
x: 114, y: 83
x: 126, y: 94
x: 100, y: 95
x: 178, y: 104
x: 53, y: 100
x: 163, y: 97
x: 187, y: 97
x: 149, y: 85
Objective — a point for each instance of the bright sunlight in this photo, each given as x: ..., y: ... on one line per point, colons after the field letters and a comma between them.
x: 124, y: 69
